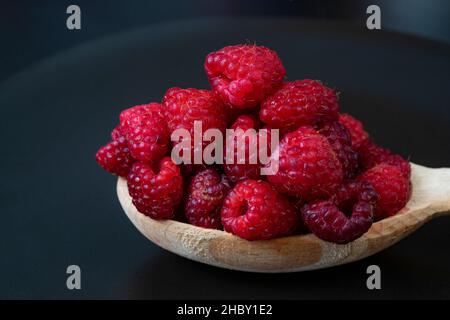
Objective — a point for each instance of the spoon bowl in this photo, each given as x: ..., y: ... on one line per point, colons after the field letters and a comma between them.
x: 430, y: 198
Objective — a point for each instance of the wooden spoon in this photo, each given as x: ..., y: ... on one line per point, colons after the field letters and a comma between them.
x: 430, y: 198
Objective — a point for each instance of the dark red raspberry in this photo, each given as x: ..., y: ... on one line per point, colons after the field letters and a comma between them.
x: 156, y: 191
x: 205, y: 197
x: 340, y: 140
x: 253, y: 210
x: 329, y: 223
x: 298, y: 103
x: 393, y: 188
x: 115, y: 157
x: 308, y: 166
x: 353, y: 191
x: 146, y: 132
x: 371, y: 154
x: 243, y: 138
x: 181, y: 107
x: 344, y: 218
x: 243, y: 75
x: 356, y: 129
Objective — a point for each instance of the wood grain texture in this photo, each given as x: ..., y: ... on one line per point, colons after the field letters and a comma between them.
x: 430, y: 198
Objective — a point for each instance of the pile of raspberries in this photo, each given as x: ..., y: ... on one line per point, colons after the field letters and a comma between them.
x: 332, y: 179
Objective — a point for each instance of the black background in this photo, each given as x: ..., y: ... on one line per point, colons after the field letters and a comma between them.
x: 58, y: 208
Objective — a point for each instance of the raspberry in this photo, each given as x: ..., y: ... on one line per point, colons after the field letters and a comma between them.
x: 371, y: 154
x: 243, y: 75
x: 340, y: 140
x: 356, y: 129
x: 328, y: 223
x: 298, y: 103
x: 181, y: 107
x: 393, y: 188
x: 115, y: 157
x: 353, y: 191
x: 308, y: 166
x: 156, y: 192
x: 146, y: 132
x: 129, y: 113
x: 116, y: 133
x: 241, y: 171
x: 253, y: 210
x: 344, y: 218
x: 205, y: 197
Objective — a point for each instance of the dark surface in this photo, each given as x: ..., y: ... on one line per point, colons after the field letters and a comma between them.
x: 32, y: 30
x: 59, y: 208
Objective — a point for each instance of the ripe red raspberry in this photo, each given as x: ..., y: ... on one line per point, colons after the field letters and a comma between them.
x: 243, y: 75
x: 393, y: 188
x: 115, y: 157
x: 250, y: 166
x: 345, y: 217
x: 117, y: 132
x: 253, y: 210
x: 127, y: 114
x: 181, y: 107
x: 298, y: 103
x: 308, y: 166
x: 157, y: 190
x: 356, y: 129
x: 340, y: 140
x: 205, y: 197
x: 371, y: 154
x: 146, y: 132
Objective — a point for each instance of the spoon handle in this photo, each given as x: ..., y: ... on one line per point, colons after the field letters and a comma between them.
x: 443, y: 195
x: 431, y: 189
